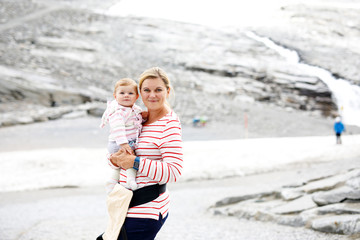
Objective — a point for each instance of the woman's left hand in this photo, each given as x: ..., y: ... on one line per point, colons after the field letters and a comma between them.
x: 123, y: 159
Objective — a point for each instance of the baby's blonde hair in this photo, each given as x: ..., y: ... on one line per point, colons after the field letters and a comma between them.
x: 126, y: 82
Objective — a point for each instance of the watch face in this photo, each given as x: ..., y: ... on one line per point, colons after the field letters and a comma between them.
x: 136, y: 164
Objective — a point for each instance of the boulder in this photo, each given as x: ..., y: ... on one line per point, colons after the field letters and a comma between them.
x: 296, y: 206
x: 342, y: 224
x: 336, y: 195
x: 237, y: 199
x: 329, y: 182
x: 288, y: 194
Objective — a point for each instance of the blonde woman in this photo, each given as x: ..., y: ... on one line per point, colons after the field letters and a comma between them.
x: 158, y: 160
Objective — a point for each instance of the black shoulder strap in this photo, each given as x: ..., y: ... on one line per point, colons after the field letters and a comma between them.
x: 146, y: 194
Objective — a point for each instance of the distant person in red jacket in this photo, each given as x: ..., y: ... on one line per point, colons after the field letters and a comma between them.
x: 338, y: 128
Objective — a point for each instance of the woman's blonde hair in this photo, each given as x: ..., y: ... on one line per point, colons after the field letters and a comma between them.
x: 156, y: 72
x: 126, y: 82
x: 152, y: 73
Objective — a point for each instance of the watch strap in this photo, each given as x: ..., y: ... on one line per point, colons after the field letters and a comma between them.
x: 136, y: 163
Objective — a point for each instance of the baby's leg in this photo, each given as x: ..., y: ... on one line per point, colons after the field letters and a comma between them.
x: 131, y: 178
x: 115, y: 173
x: 113, y: 180
x: 113, y: 147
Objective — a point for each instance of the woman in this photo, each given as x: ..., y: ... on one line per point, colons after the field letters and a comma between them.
x: 159, y: 159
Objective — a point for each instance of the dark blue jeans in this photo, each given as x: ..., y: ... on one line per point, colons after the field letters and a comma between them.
x: 142, y: 228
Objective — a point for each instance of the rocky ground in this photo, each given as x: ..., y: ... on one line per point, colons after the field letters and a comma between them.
x: 60, y: 58
x: 326, y: 202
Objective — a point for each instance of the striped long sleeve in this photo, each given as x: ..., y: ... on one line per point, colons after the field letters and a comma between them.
x: 163, y: 163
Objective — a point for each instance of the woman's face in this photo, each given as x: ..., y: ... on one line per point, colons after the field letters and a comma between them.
x: 154, y: 93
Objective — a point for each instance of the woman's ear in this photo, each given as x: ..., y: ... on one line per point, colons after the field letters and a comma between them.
x: 168, y: 91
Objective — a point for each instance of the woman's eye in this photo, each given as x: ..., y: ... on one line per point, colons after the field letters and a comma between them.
x: 158, y: 90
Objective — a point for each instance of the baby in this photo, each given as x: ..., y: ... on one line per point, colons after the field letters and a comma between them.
x: 124, y: 118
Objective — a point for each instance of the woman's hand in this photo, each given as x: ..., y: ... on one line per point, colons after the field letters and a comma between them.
x: 123, y: 159
x: 127, y: 148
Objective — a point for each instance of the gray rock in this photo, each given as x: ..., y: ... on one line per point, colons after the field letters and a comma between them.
x: 258, y: 210
x: 332, y: 209
x: 330, y: 182
x: 336, y: 195
x: 344, y: 224
x: 35, y: 88
x: 52, y: 42
x: 15, y: 120
x: 290, y: 194
x: 296, y: 206
x: 340, y: 208
x: 289, y: 78
x: 237, y: 199
x: 301, y: 207
x: 354, y: 183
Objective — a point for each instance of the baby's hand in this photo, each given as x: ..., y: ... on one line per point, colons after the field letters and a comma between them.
x: 144, y: 114
x: 127, y: 148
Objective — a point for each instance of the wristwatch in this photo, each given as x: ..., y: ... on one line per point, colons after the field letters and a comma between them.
x: 136, y: 163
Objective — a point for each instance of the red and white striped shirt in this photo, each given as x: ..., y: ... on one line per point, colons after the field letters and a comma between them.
x: 161, y: 161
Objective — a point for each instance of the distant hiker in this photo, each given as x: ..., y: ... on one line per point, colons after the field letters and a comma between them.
x: 338, y: 128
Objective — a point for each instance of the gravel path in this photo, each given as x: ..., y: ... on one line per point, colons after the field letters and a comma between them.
x: 80, y: 213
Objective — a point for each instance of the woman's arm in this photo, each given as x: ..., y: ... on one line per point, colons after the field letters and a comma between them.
x: 170, y: 169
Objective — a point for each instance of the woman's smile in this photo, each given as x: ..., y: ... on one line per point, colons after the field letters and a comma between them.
x: 154, y: 93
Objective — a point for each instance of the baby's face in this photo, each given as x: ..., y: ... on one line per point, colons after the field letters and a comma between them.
x: 125, y: 96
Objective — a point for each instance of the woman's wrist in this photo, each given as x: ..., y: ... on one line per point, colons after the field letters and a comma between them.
x: 136, y: 163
